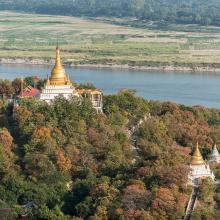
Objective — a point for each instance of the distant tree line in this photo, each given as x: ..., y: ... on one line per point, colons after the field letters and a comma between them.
x: 172, y: 11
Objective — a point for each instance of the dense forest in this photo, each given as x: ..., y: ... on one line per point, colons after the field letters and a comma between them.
x: 64, y: 161
x: 180, y: 11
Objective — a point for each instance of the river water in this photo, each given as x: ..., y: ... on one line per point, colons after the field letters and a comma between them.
x: 185, y: 88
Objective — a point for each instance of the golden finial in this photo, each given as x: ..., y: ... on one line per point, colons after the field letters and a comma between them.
x: 197, y: 156
x: 58, y: 65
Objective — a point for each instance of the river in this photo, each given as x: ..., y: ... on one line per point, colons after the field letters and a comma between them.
x: 185, y: 88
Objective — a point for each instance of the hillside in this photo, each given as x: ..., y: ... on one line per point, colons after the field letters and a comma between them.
x: 171, y: 11
x: 65, y: 161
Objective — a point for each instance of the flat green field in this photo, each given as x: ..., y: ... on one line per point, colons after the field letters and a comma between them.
x: 107, y: 41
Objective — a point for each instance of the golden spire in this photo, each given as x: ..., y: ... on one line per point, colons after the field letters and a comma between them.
x: 58, y: 74
x: 197, y: 157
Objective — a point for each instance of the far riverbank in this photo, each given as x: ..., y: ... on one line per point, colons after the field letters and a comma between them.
x: 164, y: 68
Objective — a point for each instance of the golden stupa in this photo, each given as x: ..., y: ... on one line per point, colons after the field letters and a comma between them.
x: 197, y: 157
x: 58, y: 74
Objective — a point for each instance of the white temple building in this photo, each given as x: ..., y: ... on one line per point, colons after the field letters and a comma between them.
x: 199, y: 168
x: 58, y: 83
x: 215, y: 156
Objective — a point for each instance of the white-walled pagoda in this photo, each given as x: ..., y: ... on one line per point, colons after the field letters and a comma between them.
x: 215, y: 156
x: 59, y: 84
x: 199, y: 168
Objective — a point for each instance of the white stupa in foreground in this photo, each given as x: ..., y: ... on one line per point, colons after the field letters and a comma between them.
x: 58, y: 83
x: 199, y: 168
x: 215, y: 156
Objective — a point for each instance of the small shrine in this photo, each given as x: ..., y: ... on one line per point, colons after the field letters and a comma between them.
x: 215, y: 156
x: 199, y: 168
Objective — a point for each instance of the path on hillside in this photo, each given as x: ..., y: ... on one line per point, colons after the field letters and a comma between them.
x: 192, y: 203
x: 131, y: 133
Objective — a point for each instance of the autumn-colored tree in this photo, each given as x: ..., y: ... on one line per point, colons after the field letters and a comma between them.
x: 164, y: 203
x: 6, y: 140
x: 6, y: 88
x: 23, y: 116
x: 93, y: 136
x: 42, y: 141
x: 135, y: 198
x: 177, y: 175
x: 63, y: 162
x: 74, y: 156
x: 41, y: 134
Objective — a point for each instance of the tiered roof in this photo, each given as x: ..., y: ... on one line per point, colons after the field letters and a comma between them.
x: 29, y: 92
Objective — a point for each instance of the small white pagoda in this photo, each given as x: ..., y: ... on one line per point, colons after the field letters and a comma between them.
x: 58, y: 83
x: 199, y: 168
x: 215, y: 156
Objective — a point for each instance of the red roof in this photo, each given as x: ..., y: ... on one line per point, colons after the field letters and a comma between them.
x: 29, y: 92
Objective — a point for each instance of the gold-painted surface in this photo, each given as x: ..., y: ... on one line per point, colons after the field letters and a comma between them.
x: 58, y: 74
x: 197, y: 157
